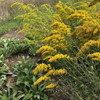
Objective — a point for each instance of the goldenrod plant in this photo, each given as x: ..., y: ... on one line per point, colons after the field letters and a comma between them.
x: 37, y: 21
x: 50, y: 72
x: 68, y: 41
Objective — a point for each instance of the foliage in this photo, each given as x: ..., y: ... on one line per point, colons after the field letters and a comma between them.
x: 11, y: 46
x: 82, y: 81
x: 69, y: 41
x: 71, y: 25
x: 37, y: 21
x: 25, y: 79
x: 4, y: 71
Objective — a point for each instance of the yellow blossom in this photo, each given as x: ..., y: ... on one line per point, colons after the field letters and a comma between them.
x: 62, y: 28
x: 42, y: 67
x: 95, y: 56
x: 88, y: 31
x: 46, y: 48
x: 52, y: 85
x: 57, y: 17
x: 82, y: 15
x: 58, y: 56
x: 56, y: 72
x: 47, y: 57
x: 87, y: 46
x: 42, y: 78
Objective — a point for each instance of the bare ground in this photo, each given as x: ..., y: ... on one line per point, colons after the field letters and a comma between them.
x: 14, y: 34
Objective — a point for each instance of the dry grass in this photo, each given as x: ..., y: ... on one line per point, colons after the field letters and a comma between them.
x: 5, y: 5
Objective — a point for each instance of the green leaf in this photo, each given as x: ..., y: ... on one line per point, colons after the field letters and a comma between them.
x: 34, y: 78
x: 38, y: 96
x: 26, y: 71
x: 45, y: 97
x: 20, y: 96
x: 28, y: 96
x: 27, y: 83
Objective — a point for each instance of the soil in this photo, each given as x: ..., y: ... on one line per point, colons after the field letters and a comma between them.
x: 14, y: 34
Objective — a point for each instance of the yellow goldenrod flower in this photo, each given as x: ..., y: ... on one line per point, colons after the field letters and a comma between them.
x: 60, y: 71
x: 58, y: 56
x: 80, y: 14
x: 87, y: 46
x: 61, y: 28
x: 48, y: 57
x: 90, y: 30
x: 47, y: 48
x: 56, y: 72
x: 60, y: 10
x: 52, y: 85
x: 50, y: 38
x: 42, y: 78
x: 61, y: 46
x: 63, y: 10
x: 54, y: 32
x: 42, y: 67
x: 95, y: 56
x: 69, y: 10
x: 57, y: 17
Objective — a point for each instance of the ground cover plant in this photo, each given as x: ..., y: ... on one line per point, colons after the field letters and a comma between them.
x: 67, y: 39
x: 11, y: 46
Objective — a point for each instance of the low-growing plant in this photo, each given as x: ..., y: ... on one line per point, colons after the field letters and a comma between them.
x: 12, y: 46
x: 4, y: 71
x: 25, y: 79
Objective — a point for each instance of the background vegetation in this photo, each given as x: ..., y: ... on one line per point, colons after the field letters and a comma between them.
x: 62, y: 41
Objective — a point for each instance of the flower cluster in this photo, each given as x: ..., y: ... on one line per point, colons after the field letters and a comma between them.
x: 47, y: 50
x: 42, y: 67
x: 63, y: 10
x: 81, y: 15
x: 88, y: 31
x: 42, y: 78
x: 62, y: 28
x: 87, y: 46
x: 56, y: 72
x: 52, y: 85
x: 57, y: 36
x: 47, y: 76
x: 95, y: 56
x: 58, y: 56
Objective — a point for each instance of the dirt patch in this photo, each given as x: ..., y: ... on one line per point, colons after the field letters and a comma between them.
x: 15, y: 58
x: 11, y: 81
x: 14, y: 34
